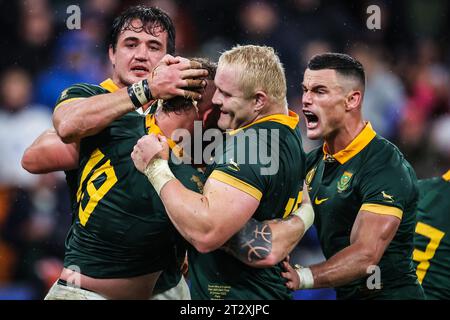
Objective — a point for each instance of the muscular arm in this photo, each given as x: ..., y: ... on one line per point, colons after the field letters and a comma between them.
x: 207, y: 221
x: 48, y: 153
x: 266, y: 243
x: 84, y: 117
x: 370, y: 236
x: 80, y: 118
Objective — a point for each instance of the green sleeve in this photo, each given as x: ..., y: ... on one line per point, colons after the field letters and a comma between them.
x: 388, y: 188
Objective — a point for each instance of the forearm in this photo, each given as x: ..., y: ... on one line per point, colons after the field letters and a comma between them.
x: 345, y: 266
x: 265, y: 243
x: 85, y: 117
x: 48, y: 153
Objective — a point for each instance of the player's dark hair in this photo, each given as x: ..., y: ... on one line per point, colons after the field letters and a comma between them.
x: 344, y: 64
x: 151, y: 18
x: 179, y: 104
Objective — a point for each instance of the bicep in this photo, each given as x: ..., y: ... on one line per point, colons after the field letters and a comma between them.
x: 374, y: 231
x: 232, y: 207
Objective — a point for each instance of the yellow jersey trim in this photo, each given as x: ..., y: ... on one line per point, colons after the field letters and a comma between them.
x: 109, y: 85
x: 355, y: 147
x: 291, y: 120
x: 237, y: 183
x: 152, y: 127
x: 446, y: 176
x: 382, y: 209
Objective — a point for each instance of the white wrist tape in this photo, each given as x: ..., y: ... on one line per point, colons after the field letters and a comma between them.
x: 306, y: 278
x: 306, y: 213
x: 158, y: 173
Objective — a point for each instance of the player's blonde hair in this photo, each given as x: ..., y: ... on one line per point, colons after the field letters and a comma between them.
x: 259, y: 68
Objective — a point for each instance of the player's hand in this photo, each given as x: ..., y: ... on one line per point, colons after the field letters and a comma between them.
x: 177, y: 76
x: 148, y: 148
x: 293, y: 280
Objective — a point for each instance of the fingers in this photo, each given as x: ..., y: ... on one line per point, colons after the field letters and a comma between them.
x: 193, y: 73
x: 169, y: 59
x: 188, y: 64
x: 193, y: 83
x: 187, y: 94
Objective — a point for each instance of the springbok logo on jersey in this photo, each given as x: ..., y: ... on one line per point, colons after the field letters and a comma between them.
x: 387, y: 197
x: 344, y: 182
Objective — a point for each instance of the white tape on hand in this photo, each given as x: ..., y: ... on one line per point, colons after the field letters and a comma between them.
x: 158, y: 173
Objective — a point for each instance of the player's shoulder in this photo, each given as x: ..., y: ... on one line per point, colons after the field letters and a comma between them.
x: 383, y: 154
x: 313, y: 156
x: 87, y: 89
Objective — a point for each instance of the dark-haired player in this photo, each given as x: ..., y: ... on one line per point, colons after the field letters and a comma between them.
x: 121, y: 238
x: 363, y: 191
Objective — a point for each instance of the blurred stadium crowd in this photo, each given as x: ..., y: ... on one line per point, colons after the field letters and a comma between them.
x: 407, y: 99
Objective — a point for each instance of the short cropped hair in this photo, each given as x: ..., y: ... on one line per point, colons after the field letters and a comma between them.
x: 344, y: 65
x: 151, y: 18
x: 260, y: 68
x: 178, y: 104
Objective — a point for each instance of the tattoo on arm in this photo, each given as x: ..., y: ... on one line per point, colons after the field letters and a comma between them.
x: 252, y: 242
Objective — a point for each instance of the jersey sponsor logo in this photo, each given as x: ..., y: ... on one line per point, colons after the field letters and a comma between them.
x: 320, y: 201
x: 387, y: 197
x: 344, y: 181
x: 233, y: 166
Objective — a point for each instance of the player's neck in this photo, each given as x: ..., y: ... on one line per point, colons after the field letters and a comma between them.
x: 273, y: 109
x: 344, y: 136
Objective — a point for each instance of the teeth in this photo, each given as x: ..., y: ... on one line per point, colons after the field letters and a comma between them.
x: 308, y: 113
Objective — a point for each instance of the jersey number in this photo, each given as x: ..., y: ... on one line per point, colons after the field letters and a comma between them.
x: 95, y: 193
x: 424, y: 257
x: 293, y: 204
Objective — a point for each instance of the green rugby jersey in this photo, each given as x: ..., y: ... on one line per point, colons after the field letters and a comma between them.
x: 218, y: 275
x: 120, y: 225
x: 431, y: 240
x: 369, y: 174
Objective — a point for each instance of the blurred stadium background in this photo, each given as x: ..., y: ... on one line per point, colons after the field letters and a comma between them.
x: 407, y: 97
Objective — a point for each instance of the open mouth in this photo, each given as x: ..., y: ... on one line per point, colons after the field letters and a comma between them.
x: 311, y: 119
x: 140, y: 69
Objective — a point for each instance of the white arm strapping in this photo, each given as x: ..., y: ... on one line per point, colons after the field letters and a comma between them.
x: 306, y: 213
x: 158, y: 173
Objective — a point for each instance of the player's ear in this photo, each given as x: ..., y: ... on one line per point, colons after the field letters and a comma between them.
x: 353, y: 100
x: 261, y: 100
x: 112, y: 56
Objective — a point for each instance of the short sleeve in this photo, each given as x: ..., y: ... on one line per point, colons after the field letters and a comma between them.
x: 77, y: 91
x: 240, y: 166
x: 388, y: 189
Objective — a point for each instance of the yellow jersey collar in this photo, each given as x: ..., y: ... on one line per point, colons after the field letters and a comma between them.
x: 109, y: 85
x: 152, y: 127
x: 291, y: 120
x: 446, y: 176
x: 358, y: 144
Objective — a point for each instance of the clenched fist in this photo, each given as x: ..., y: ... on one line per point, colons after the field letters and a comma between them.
x: 148, y: 148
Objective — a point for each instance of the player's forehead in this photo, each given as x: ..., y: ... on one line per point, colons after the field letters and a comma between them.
x: 227, y: 77
x: 136, y: 29
x: 323, y: 77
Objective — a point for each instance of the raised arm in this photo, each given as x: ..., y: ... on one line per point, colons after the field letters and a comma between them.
x: 48, y: 153
x: 77, y: 118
